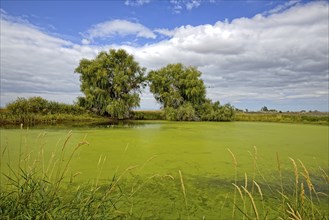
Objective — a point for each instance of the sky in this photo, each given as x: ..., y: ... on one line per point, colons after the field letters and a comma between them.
x: 251, y: 53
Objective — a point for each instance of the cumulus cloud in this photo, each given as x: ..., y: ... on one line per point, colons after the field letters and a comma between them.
x: 36, y: 63
x: 278, y: 59
x: 118, y: 27
x: 271, y: 58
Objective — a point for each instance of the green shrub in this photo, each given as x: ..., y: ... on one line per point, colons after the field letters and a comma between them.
x: 38, y: 105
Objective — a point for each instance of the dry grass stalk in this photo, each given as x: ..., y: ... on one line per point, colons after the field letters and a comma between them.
x: 239, y: 190
x: 324, y: 174
x: 252, y: 202
x: 235, y: 163
x: 306, y: 175
x: 296, y: 179
x: 295, y: 169
x: 126, y: 148
x: 170, y: 176
x: 233, y: 157
x: 261, y: 196
x: 294, y: 215
x: 67, y: 139
x: 308, y: 181
x: 254, y: 156
x: 259, y: 190
x: 302, y: 194
x: 183, y: 186
x: 184, y: 192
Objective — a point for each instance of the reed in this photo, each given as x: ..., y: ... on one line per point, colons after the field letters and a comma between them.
x: 296, y: 179
x: 184, y: 192
x: 235, y: 164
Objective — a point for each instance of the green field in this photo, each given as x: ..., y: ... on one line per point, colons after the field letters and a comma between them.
x: 156, y: 151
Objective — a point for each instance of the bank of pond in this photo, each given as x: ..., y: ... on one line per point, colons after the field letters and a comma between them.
x: 165, y: 170
x: 7, y: 118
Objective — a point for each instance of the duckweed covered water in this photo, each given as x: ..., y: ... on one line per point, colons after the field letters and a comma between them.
x: 156, y: 151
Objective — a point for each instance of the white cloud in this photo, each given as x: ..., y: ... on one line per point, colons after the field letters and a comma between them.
x: 164, y: 31
x: 85, y: 41
x: 192, y: 4
x: 282, y: 7
x: 136, y: 2
x: 179, y: 5
x: 118, y: 27
x: 33, y: 62
x: 265, y: 59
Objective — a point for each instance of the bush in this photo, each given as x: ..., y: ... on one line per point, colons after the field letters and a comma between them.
x: 40, y: 106
x: 216, y: 112
x: 185, y: 112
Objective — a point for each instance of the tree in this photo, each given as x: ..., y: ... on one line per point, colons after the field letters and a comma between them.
x: 182, y: 93
x: 264, y: 109
x: 174, y: 85
x: 111, y: 83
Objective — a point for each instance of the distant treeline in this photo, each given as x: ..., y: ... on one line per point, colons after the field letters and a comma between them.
x: 288, y: 117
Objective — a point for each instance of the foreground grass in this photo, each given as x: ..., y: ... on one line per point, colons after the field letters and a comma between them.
x: 39, y: 187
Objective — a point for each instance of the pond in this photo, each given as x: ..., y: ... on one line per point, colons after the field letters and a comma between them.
x: 199, y: 150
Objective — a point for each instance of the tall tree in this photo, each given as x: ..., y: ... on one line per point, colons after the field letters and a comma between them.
x: 182, y: 93
x: 175, y: 85
x: 111, y: 83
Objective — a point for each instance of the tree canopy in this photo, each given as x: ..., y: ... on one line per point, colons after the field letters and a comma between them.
x: 182, y: 93
x: 111, y: 83
x: 175, y: 85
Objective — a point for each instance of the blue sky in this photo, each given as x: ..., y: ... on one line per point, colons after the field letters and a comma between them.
x: 251, y: 53
x: 69, y: 18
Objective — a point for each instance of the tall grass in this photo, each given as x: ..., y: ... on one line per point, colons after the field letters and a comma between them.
x: 288, y: 198
x: 37, y: 187
x: 235, y: 164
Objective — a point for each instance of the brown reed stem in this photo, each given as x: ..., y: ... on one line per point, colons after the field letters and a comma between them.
x: 235, y: 163
x: 184, y: 192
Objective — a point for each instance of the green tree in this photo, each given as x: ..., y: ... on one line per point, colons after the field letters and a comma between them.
x: 111, y: 83
x: 175, y: 85
x: 182, y: 93
x: 264, y: 109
